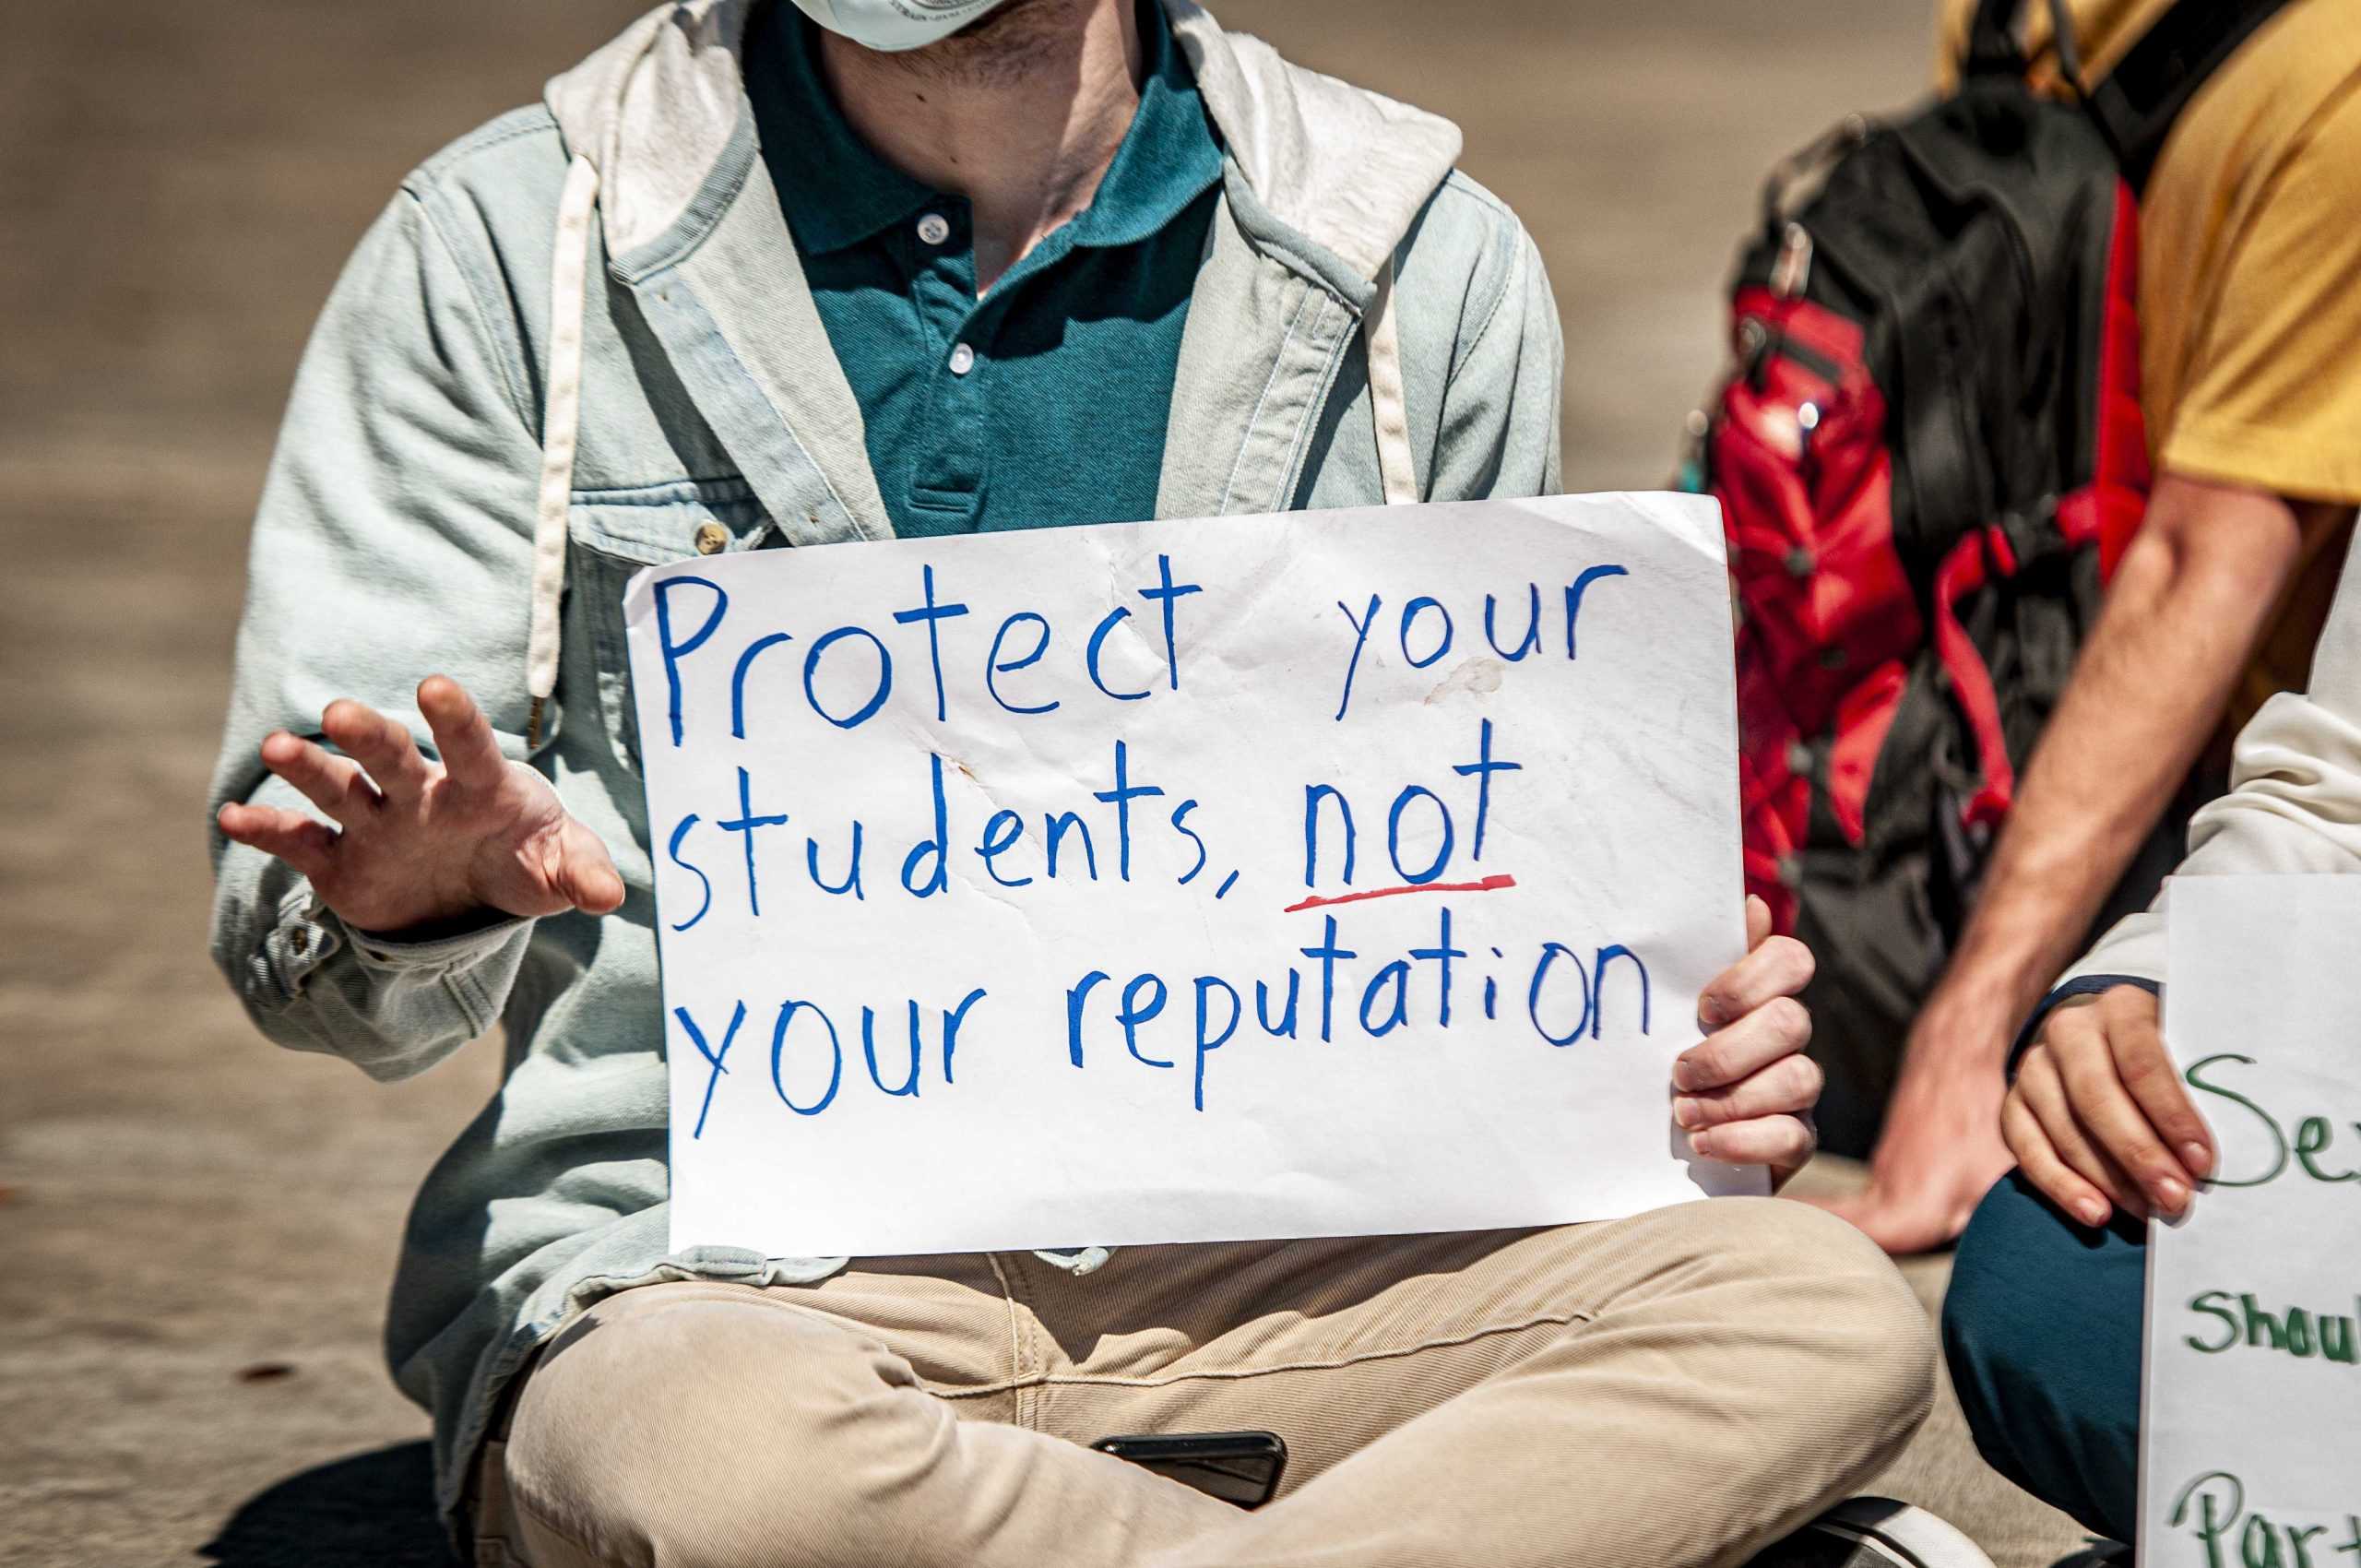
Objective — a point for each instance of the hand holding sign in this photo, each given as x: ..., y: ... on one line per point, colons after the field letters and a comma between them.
x: 2097, y: 1116
x: 1744, y: 1092
x: 422, y: 842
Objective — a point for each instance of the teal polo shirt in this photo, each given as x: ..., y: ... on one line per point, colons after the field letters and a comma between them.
x: 1045, y: 402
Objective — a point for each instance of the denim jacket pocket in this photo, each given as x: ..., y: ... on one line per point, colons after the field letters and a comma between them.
x: 613, y: 534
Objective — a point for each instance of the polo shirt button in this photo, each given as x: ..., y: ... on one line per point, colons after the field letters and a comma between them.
x: 933, y: 229
x: 963, y: 360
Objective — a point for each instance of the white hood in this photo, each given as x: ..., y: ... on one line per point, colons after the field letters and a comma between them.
x: 653, y: 109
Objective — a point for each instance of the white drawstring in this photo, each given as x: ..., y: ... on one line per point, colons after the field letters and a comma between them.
x: 560, y: 423
x: 1388, y: 401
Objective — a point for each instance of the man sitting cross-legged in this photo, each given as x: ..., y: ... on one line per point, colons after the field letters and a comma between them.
x: 756, y: 278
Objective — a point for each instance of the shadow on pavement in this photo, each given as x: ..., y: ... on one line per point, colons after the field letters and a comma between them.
x: 373, y: 1510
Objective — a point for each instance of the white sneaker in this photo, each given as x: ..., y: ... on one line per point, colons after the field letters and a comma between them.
x: 1874, y: 1532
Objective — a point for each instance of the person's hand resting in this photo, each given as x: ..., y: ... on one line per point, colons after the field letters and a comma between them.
x: 2099, y: 1118
x: 420, y: 845
x: 1744, y: 1094
x: 1940, y: 1151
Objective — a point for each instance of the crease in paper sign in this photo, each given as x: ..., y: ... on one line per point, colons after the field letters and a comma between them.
x: 1693, y: 520
x: 1148, y: 1056
x: 1476, y: 677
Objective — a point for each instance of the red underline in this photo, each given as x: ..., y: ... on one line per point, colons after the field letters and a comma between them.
x: 1488, y: 885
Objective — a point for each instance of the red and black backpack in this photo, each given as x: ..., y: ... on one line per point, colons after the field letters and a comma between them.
x: 1930, y: 456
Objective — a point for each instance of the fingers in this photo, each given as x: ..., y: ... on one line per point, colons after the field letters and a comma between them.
x: 462, y: 734
x: 380, y: 745
x: 2043, y: 1094
x: 2038, y: 1159
x: 1779, y: 966
x: 585, y: 872
x: 303, y: 844
x: 1781, y: 1141
x: 1790, y: 1085
x: 334, y: 784
x: 2145, y: 1066
x: 1758, y: 922
x: 2078, y: 1043
x: 1779, y: 1027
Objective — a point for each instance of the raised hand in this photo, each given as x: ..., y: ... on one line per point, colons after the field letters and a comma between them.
x: 421, y: 844
x: 1744, y: 1094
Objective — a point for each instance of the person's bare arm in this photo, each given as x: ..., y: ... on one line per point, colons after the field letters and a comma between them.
x: 2189, y: 599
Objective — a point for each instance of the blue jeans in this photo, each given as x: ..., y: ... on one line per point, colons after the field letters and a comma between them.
x: 2042, y: 1328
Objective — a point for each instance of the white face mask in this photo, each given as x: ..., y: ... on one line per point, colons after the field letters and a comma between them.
x: 892, y: 26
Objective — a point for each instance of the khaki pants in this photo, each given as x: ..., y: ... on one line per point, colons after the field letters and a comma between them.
x: 1680, y: 1387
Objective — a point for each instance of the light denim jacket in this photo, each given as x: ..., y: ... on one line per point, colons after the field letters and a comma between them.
x: 499, y: 398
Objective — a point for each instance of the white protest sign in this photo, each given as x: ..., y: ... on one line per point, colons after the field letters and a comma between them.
x: 1328, y: 874
x: 2250, y: 1420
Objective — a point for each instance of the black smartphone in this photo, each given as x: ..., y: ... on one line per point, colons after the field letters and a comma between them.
x: 1242, y: 1467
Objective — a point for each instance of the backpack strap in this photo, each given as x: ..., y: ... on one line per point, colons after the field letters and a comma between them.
x: 1993, y: 48
x: 2135, y: 106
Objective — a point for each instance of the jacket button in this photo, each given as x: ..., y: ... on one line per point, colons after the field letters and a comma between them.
x: 711, y: 537
x: 1799, y: 562
x: 1798, y: 759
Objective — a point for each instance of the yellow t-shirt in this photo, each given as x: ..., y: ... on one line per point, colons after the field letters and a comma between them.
x: 2249, y: 278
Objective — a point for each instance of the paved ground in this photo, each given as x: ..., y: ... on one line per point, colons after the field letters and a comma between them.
x: 198, y: 1228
